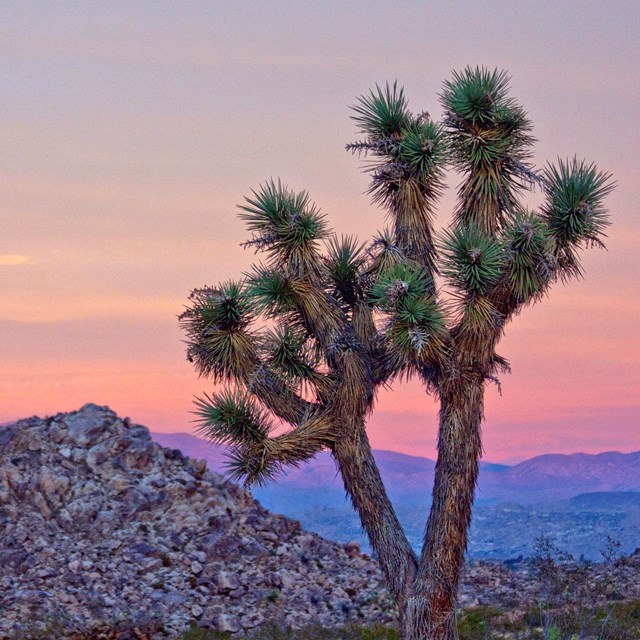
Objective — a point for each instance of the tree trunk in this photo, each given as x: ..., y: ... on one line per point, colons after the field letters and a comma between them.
x: 430, y: 609
x: 364, y: 486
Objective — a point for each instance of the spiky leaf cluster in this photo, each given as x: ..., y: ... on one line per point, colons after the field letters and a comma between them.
x: 271, y: 292
x: 574, y: 211
x: 416, y: 335
x: 286, y: 226
x: 402, y: 281
x: 529, y: 260
x: 219, y: 342
x: 415, y: 328
x: 385, y: 252
x: 383, y: 113
x: 345, y: 262
x: 489, y: 135
x: 232, y: 417
x: 288, y: 352
x: 258, y: 462
x: 472, y: 260
x: 422, y: 146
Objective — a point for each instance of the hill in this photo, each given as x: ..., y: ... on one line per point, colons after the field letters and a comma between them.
x: 99, y: 524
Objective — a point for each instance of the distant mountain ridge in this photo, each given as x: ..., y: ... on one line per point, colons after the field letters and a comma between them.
x: 548, y: 477
x: 577, y: 500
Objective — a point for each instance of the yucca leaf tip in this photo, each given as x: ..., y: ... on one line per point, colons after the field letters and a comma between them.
x: 345, y: 260
x: 231, y: 416
x: 473, y: 261
x: 287, y: 352
x: 529, y: 256
x: 476, y: 95
x: 382, y: 113
x: 270, y: 291
x: 400, y: 281
x: 285, y: 224
x: 575, y: 209
x: 424, y: 148
x: 224, y: 307
x: 218, y: 340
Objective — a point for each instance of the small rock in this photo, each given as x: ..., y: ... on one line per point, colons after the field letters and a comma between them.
x: 227, y: 623
x: 227, y: 582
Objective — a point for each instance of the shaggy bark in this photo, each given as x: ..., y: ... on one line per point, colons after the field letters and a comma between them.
x: 431, y: 607
x: 364, y: 485
x: 425, y: 591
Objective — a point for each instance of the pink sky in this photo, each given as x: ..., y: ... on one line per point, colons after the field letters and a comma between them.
x: 131, y: 131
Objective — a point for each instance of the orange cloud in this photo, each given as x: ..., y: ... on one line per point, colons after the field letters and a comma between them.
x: 14, y: 260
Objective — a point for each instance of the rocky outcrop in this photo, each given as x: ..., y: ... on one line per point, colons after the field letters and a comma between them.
x: 99, y: 524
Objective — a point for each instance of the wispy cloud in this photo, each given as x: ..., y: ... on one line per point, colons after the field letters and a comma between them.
x: 13, y: 260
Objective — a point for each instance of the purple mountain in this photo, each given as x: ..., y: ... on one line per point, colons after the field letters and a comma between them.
x: 544, y: 478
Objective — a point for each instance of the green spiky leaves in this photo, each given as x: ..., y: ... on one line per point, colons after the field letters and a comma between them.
x: 490, y: 141
x: 288, y: 352
x: 402, y: 281
x: 216, y: 324
x: 232, y: 417
x: 344, y: 264
x: 480, y: 111
x: 225, y: 307
x: 385, y: 252
x: 473, y: 264
x: 287, y: 226
x: 473, y: 261
x: 271, y: 292
x: 294, y: 300
x: 260, y: 461
x: 235, y: 419
x: 530, y: 262
x: 383, y: 113
x: 574, y: 211
x: 415, y: 331
x: 422, y: 146
x: 477, y: 95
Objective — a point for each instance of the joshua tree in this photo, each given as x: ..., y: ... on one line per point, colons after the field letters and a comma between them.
x: 305, y: 339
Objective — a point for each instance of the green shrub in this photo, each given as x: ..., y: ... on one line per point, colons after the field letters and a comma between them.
x: 476, y: 622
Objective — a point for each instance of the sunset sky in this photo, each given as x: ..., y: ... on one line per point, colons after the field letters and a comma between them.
x: 131, y: 130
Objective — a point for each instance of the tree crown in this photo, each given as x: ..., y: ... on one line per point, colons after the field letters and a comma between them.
x: 309, y: 334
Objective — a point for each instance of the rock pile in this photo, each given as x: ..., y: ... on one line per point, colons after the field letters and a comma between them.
x: 100, y: 525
